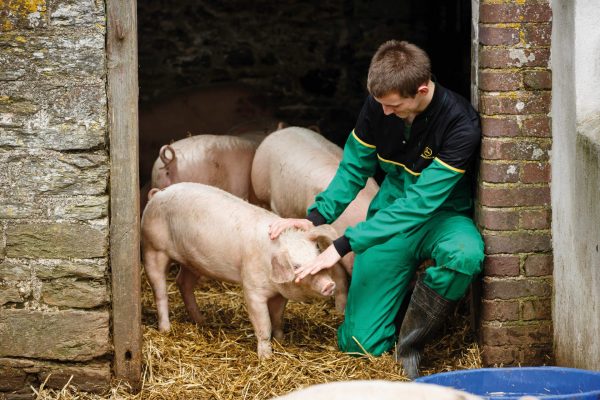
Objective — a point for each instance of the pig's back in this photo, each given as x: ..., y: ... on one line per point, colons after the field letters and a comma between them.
x: 291, y: 167
x: 222, y: 161
x: 206, y: 227
x: 226, y: 162
x: 296, y: 145
x: 211, y: 148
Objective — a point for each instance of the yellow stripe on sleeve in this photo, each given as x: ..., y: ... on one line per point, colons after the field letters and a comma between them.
x: 400, y: 164
x: 362, y: 142
x: 450, y: 167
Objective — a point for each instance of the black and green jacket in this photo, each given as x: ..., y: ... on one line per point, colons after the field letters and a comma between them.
x: 429, y: 167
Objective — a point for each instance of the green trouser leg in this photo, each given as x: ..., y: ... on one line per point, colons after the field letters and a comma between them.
x: 455, y: 244
x: 380, y: 279
x: 382, y: 273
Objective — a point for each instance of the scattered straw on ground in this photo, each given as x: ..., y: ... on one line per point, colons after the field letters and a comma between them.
x: 218, y: 359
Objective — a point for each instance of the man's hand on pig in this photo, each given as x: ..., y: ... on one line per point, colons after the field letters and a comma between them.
x: 282, y: 224
x: 326, y: 259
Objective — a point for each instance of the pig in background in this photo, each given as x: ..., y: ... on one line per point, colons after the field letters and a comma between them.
x: 212, y: 233
x: 220, y: 161
x: 291, y: 166
x: 231, y: 108
x: 223, y: 161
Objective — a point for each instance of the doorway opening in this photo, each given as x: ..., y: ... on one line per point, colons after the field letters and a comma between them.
x: 303, y: 63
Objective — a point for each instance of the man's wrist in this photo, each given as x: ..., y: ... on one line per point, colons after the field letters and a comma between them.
x: 315, y: 217
x: 342, y: 245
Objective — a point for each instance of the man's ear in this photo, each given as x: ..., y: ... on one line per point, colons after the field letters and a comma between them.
x: 282, y: 270
x: 423, y: 89
x: 324, y: 235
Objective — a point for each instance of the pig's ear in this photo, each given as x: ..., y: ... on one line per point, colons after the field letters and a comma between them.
x: 152, y: 192
x: 314, y: 128
x: 324, y: 235
x: 282, y: 270
x: 165, y: 156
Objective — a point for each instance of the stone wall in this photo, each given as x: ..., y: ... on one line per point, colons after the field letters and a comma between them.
x: 514, y: 194
x: 54, y: 278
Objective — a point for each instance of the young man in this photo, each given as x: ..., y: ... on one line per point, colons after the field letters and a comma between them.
x: 425, y: 138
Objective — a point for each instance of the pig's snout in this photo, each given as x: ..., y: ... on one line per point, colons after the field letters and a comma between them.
x: 323, y: 284
x: 320, y: 284
x: 328, y: 289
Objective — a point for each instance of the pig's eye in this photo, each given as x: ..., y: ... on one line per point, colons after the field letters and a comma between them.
x: 296, y: 266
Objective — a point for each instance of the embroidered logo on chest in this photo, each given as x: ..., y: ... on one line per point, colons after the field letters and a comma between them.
x: 427, y: 153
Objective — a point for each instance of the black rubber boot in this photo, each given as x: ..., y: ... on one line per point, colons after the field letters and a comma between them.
x: 426, y: 313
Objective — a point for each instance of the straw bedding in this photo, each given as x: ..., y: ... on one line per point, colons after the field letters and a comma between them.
x: 218, y: 359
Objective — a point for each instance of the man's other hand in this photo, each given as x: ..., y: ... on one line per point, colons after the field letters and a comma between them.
x: 326, y: 259
x: 282, y: 224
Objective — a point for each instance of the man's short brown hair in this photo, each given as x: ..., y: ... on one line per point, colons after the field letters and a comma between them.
x: 398, y: 67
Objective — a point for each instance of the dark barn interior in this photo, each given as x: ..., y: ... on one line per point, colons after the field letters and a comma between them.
x: 229, y: 67
x: 306, y: 60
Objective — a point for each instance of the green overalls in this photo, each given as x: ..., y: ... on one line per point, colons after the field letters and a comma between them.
x: 417, y: 214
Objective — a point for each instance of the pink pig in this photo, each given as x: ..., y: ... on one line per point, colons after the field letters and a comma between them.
x: 222, y: 161
x: 291, y: 166
x: 212, y: 233
x: 228, y: 108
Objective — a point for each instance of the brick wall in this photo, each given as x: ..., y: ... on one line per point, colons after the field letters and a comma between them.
x: 514, y: 194
x: 54, y: 285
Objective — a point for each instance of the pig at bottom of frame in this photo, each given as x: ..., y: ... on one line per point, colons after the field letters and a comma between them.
x: 377, y: 390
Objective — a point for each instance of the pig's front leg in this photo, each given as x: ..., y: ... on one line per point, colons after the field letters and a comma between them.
x: 340, y: 277
x: 348, y: 262
x: 186, y: 282
x: 258, y: 312
x: 276, y: 307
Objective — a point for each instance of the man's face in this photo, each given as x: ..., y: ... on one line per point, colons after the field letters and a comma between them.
x: 402, y: 107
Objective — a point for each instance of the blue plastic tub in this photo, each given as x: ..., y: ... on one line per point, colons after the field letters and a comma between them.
x: 511, y: 383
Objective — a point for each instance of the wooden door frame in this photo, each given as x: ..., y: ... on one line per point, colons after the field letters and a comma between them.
x: 122, y: 94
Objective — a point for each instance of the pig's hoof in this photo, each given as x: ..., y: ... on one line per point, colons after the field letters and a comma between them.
x: 198, y: 319
x: 278, y: 335
x: 264, y: 350
x: 265, y: 356
x: 164, y: 327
